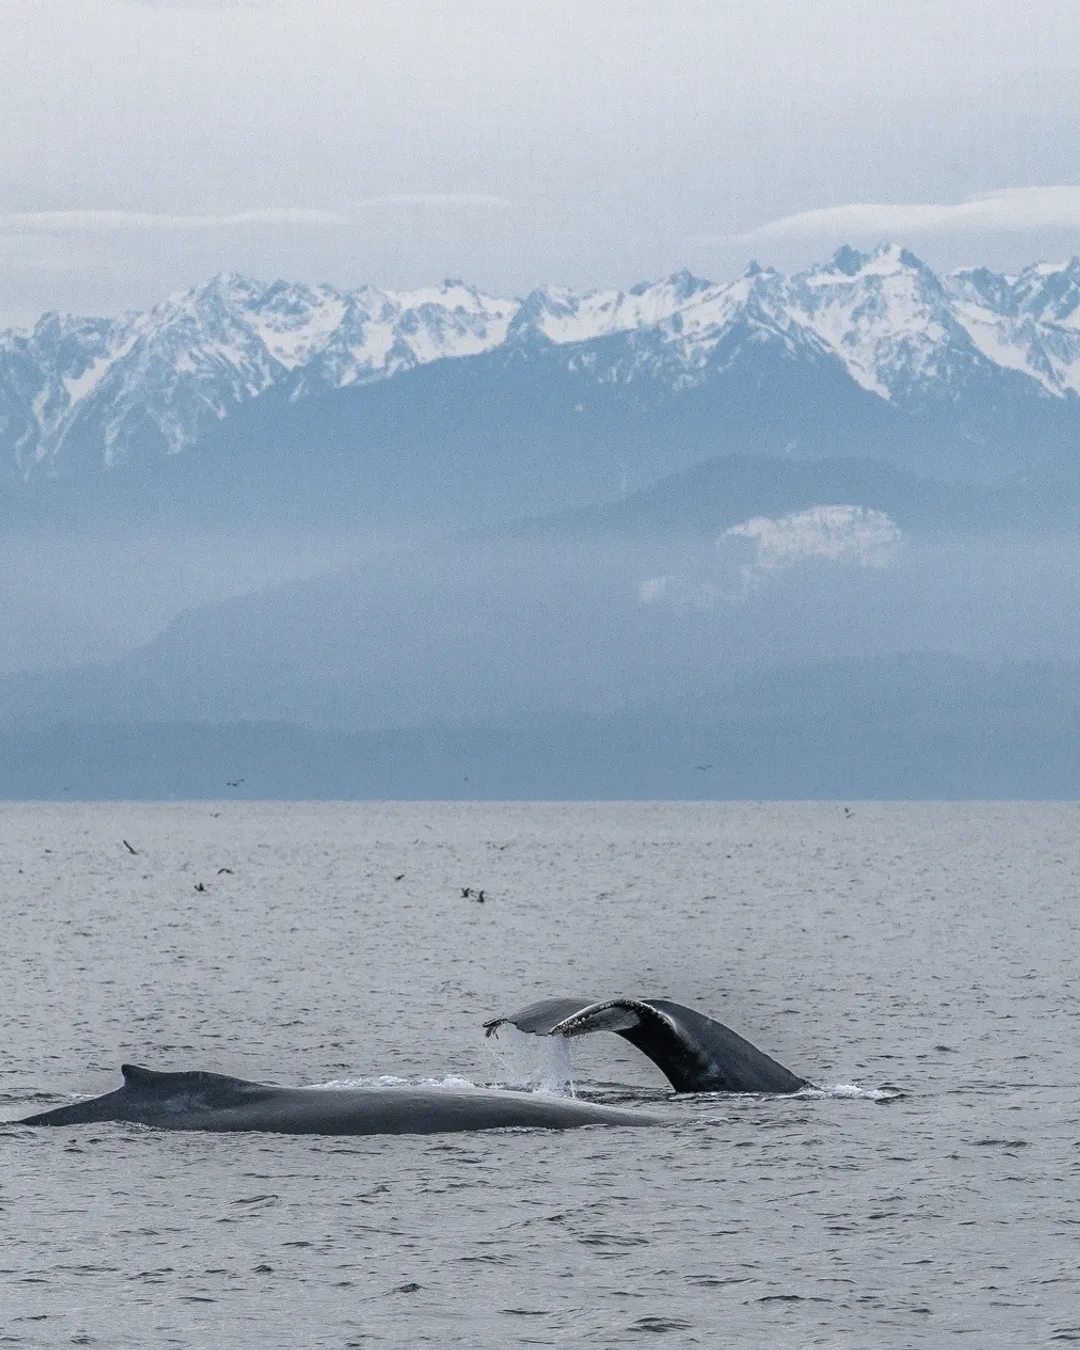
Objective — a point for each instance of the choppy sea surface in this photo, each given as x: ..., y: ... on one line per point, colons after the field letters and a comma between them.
x: 917, y: 961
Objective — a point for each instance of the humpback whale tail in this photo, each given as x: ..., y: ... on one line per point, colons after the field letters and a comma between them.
x: 695, y: 1053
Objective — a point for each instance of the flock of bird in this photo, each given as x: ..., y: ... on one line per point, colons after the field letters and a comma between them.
x: 467, y: 892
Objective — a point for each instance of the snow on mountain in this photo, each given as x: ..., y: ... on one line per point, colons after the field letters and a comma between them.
x: 153, y: 381
x: 562, y: 317
x: 710, y: 331
x: 109, y: 390
x: 887, y: 316
x: 900, y: 331
x: 43, y: 374
x: 1029, y: 323
x: 379, y: 334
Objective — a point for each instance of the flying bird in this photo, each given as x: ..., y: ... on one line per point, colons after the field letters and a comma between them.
x: 234, y: 782
x: 199, y: 886
x: 128, y: 846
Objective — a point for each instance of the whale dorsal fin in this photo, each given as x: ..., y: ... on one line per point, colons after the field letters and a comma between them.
x: 135, y: 1076
x: 154, y: 1080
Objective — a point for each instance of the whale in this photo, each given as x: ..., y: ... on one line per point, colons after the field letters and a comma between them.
x: 198, y: 1100
x: 694, y: 1052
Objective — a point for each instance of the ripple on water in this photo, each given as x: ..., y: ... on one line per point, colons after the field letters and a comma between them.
x: 805, y: 1221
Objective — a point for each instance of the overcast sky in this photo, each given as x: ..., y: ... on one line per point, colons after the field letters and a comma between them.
x: 150, y: 143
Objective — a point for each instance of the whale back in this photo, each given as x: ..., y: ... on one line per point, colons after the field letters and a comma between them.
x: 695, y: 1052
x: 147, y: 1096
x: 215, y: 1102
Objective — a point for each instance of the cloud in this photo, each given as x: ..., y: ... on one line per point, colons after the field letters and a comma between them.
x: 853, y: 536
x: 95, y: 221
x: 437, y: 199
x: 681, y: 593
x: 653, y: 589
x: 197, y: 4
x: 856, y: 535
x: 1011, y: 210
x: 88, y: 222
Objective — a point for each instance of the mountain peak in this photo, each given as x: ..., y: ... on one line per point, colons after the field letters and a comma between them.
x: 154, y: 381
x: 685, y: 284
x: 885, y: 259
x: 847, y: 260
x: 541, y: 304
x: 895, y: 255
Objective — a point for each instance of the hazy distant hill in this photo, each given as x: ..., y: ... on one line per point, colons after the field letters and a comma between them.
x: 921, y: 727
x: 646, y: 606
x: 819, y: 531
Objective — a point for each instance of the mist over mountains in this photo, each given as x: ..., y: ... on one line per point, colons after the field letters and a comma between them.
x: 656, y: 523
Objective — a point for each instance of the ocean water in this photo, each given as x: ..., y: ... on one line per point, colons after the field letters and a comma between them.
x: 916, y: 961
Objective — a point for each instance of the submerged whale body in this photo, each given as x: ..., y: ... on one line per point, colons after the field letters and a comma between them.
x: 694, y: 1052
x: 213, y: 1101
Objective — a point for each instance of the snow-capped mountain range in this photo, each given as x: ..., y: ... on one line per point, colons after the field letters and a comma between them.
x: 84, y: 391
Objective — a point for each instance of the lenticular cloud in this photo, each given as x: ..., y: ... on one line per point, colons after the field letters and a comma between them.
x: 1055, y: 207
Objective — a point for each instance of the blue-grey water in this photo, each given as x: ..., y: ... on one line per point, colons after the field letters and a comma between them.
x: 926, y: 950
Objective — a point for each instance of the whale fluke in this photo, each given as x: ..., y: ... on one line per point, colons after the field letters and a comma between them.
x: 695, y: 1053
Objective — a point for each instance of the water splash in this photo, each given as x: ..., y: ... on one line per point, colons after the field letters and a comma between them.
x: 362, y: 1081
x: 452, y: 1080
x: 539, y: 1063
x: 849, y: 1091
